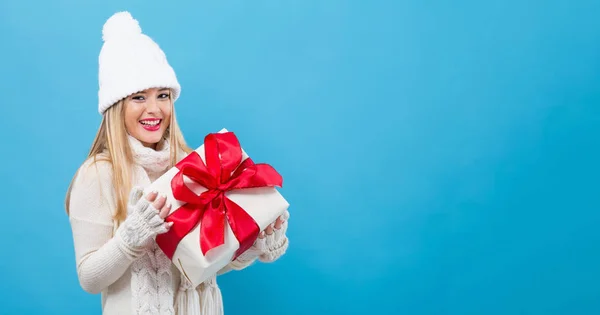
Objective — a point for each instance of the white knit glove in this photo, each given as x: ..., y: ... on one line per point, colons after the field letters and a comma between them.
x: 267, y: 249
x: 143, y: 222
x: 275, y: 245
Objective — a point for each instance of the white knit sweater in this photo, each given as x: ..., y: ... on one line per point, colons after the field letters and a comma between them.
x: 141, y: 280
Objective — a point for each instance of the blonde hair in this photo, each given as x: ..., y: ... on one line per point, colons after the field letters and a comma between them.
x: 111, y: 145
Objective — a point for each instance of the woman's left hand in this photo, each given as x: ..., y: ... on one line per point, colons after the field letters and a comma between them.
x: 270, y: 245
x: 272, y: 227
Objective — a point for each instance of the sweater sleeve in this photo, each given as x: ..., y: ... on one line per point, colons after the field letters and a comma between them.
x: 101, y: 258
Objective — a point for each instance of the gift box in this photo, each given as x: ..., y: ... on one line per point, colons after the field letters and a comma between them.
x: 220, y: 201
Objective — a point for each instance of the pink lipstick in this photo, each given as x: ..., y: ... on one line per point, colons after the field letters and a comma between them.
x: 151, y: 124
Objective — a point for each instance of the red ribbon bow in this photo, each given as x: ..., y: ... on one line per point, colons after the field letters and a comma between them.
x: 224, y: 171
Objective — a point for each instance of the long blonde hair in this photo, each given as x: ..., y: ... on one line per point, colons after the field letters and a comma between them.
x: 111, y: 145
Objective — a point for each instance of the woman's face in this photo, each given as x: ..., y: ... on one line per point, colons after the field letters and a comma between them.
x: 147, y: 115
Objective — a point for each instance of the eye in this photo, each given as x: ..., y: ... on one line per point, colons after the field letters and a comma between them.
x: 163, y: 95
x: 137, y: 98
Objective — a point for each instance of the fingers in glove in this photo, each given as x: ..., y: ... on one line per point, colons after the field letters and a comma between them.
x: 164, y: 228
x: 158, y: 223
x: 155, y: 221
x: 135, y: 195
x: 269, y: 229
x: 159, y: 203
x: 286, y: 215
x: 152, y: 196
x: 279, y: 223
x: 275, y: 225
x: 261, y: 243
x: 164, y: 212
x: 272, y: 227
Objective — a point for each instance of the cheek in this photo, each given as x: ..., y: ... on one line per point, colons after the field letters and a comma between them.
x: 130, y: 124
x: 131, y: 117
x: 166, y: 111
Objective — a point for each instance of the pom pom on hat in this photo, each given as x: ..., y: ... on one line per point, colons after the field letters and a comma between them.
x: 120, y: 25
x: 130, y: 62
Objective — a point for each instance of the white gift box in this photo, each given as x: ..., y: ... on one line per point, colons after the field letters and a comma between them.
x: 263, y: 204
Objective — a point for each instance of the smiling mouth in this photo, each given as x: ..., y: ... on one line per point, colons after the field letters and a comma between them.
x: 151, y: 124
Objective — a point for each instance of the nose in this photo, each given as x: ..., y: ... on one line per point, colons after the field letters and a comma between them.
x: 152, y: 106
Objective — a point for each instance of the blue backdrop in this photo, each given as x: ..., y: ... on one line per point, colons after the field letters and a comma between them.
x: 439, y: 157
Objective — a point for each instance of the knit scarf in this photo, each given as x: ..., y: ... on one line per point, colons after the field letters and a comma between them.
x: 151, y: 278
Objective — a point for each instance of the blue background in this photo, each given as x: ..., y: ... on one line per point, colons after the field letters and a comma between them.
x: 440, y: 157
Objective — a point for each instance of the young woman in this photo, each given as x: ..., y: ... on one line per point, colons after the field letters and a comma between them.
x: 113, y: 224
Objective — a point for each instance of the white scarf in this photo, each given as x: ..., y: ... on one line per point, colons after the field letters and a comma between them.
x: 151, y: 278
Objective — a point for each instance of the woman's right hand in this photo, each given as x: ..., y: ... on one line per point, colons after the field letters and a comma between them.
x: 159, y: 203
x: 144, y: 219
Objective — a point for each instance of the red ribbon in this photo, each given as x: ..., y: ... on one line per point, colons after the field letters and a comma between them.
x: 224, y: 171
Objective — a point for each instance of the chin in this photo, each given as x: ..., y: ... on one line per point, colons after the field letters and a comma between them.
x: 150, y: 139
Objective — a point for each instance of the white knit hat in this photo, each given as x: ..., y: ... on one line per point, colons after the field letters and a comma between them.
x: 130, y: 62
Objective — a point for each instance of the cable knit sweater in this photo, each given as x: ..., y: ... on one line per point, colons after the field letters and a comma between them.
x: 141, y: 280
